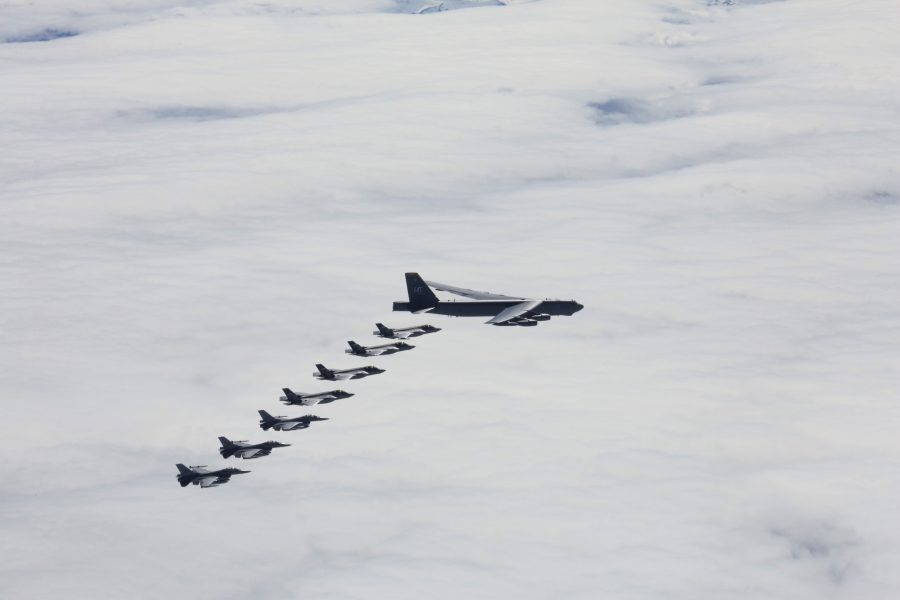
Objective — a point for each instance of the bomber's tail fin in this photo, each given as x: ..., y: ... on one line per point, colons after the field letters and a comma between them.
x: 324, y: 371
x: 386, y: 331
x: 420, y: 295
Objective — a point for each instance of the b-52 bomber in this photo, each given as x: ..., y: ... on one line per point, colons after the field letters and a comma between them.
x: 301, y: 399
x: 198, y: 475
x: 503, y: 310
x: 267, y: 421
x: 341, y: 374
x: 245, y: 450
x: 404, y: 332
x: 382, y: 350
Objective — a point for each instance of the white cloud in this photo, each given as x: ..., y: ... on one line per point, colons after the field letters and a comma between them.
x: 201, y: 200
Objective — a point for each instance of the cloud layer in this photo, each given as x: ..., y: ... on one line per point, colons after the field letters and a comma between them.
x: 202, y: 200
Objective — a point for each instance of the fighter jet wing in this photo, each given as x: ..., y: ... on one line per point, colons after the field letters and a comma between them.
x: 514, y: 311
x: 253, y: 452
x: 295, y: 425
x: 474, y: 294
x: 206, y: 482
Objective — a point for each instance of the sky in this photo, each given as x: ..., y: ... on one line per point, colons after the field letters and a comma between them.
x: 200, y: 200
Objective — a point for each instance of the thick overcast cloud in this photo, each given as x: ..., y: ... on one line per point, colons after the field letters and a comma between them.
x: 198, y: 201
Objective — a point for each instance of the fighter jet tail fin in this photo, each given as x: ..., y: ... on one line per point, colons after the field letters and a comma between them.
x: 356, y: 347
x: 265, y: 420
x: 384, y: 330
x: 288, y: 392
x: 224, y: 441
x: 183, y: 470
x: 324, y: 371
x: 420, y: 295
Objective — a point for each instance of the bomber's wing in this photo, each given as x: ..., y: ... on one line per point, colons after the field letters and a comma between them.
x: 515, y: 311
x: 474, y: 294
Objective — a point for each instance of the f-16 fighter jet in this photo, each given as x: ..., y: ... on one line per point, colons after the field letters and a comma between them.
x: 198, y: 475
x: 503, y: 310
x: 302, y: 399
x: 243, y: 449
x: 406, y: 332
x: 267, y: 422
x: 383, y: 349
x: 341, y: 374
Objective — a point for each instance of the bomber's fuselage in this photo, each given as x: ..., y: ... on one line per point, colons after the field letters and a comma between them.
x: 489, y: 308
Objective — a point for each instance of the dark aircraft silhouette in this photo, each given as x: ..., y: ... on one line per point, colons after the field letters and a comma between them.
x: 267, y: 422
x: 503, y: 310
x: 243, y: 449
x: 198, y: 475
x: 383, y: 349
x: 405, y: 332
x: 301, y: 399
x: 341, y: 374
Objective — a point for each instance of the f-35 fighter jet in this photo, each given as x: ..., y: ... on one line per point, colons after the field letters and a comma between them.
x: 267, y: 421
x: 405, y: 332
x: 243, y: 449
x: 198, y: 475
x: 341, y: 374
x: 301, y: 399
x: 381, y: 350
x: 503, y: 310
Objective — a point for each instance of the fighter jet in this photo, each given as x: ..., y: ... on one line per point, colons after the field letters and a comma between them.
x: 198, y: 475
x: 406, y: 332
x: 243, y: 449
x: 383, y: 349
x: 341, y: 374
x: 301, y: 399
x: 503, y: 310
x: 267, y: 422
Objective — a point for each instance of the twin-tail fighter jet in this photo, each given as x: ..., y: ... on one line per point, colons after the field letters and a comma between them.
x: 267, y: 421
x: 301, y: 399
x: 342, y: 374
x: 382, y: 350
x: 246, y: 450
x: 198, y: 475
x: 404, y: 332
x: 503, y: 310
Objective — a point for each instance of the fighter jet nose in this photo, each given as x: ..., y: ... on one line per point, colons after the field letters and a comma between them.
x: 578, y: 306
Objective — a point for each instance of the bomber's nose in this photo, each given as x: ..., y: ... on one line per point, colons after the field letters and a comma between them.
x: 578, y: 306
